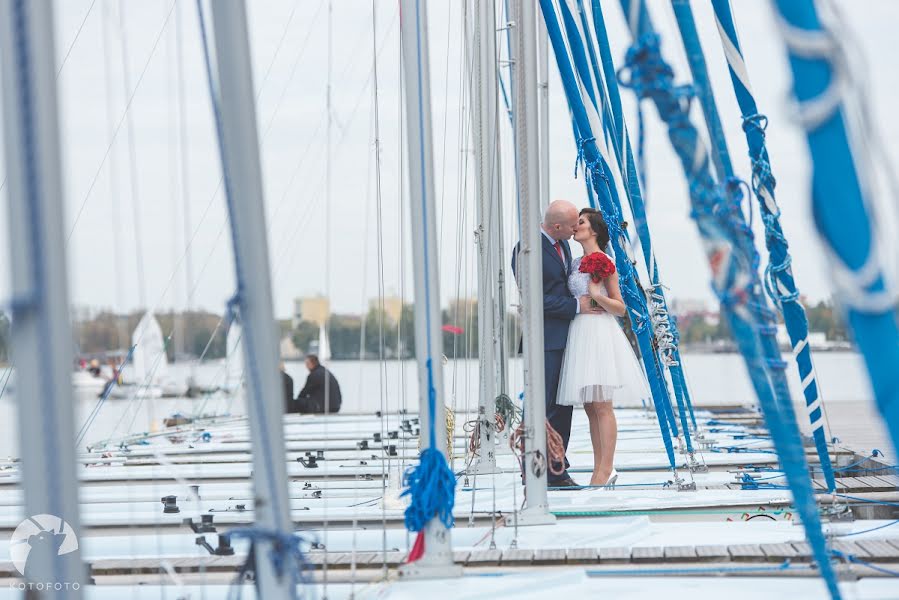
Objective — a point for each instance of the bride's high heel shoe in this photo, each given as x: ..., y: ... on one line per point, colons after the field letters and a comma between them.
x: 610, y: 484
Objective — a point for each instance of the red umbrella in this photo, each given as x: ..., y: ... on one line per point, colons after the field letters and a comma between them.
x: 453, y: 329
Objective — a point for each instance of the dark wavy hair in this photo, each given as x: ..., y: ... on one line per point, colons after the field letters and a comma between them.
x: 598, y: 225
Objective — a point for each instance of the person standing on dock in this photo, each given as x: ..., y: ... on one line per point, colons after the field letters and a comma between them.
x: 287, y: 383
x: 321, y: 390
x: 560, y: 221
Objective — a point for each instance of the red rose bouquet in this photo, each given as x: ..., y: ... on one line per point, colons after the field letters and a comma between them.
x: 598, y: 265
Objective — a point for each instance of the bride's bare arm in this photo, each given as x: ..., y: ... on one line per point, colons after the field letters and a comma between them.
x: 612, y: 302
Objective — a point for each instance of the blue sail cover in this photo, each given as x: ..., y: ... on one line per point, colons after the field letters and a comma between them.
x: 779, y: 281
x: 593, y: 126
x: 842, y: 215
x: 732, y: 259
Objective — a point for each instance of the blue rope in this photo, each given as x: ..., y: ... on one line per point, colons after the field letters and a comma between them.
x: 431, y: 484
x: 779, y: 283
x: 839, y: 205
x: 606, y: 200
x: 666, y: 332
x: 286, y: 556
x: 884, y: 526
x: 856, y: 560
x: 730, y: 254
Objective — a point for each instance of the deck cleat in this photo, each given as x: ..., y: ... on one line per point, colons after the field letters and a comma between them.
x: 695, y: 466
x: 309, y: 461
x: 224, y: 547
x: 204, y: 526
x: 170, y: 504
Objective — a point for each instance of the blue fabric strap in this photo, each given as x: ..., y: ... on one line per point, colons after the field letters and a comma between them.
x: 732, y: 260
x: 779, y: 282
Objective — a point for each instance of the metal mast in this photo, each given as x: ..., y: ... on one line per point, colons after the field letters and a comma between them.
x: 530, y: 261
x: 437, y: 560
x: 239, y: 142
x: 41, y: 332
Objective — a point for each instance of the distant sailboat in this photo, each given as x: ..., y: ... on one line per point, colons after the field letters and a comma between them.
x: 148, y: 375
x: 324, y: 347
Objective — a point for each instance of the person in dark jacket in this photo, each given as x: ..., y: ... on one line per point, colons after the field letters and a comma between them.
x: 287, y: 381
x: 321, y: 386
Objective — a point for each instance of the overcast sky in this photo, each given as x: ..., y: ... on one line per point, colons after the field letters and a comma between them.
x: 109, y: 207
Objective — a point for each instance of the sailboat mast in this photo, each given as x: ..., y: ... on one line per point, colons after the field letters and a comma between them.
x: 41, y: 331
x: 437, y: 559
x: 543, y: 87
x: 239, y: 143
x: 530, y: 261
x: 481, y: 61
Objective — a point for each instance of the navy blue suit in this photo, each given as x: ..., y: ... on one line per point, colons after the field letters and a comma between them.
x: 559, y: 309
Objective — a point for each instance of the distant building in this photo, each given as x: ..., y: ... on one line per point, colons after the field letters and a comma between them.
x: 315, y: 309
x: 392, y: 305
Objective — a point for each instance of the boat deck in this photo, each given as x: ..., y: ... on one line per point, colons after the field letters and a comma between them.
x: 733, y: 518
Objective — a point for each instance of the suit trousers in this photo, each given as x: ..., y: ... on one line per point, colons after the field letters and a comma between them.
x: 559, y: 416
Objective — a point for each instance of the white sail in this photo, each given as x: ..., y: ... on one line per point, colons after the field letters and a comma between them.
x: 324, y: 347
x: 149, y: 356
x: 234, y: 358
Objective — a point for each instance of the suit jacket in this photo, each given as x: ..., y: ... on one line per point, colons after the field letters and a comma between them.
x: 559, y: 306
x: 312, y: 396
x: 287, y: 383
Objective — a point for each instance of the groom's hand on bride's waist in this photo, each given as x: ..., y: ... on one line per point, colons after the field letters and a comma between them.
x: 587, y: 308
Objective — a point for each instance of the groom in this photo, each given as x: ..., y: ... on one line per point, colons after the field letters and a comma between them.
x: 559, y: 308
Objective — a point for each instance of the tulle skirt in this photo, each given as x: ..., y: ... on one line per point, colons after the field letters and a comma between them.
x: 599, y: 365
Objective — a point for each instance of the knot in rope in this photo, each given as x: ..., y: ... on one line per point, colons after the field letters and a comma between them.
x: 285, y: 549
x: 644, y: 70
x: 431, y: 484
x: 580, y: 153
x: 510, y: 413
x: 665, y: 338
x: 755, y: 122
x: 431, y: 487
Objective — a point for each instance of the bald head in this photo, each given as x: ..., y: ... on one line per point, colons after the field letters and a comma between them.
x: 560, y: 219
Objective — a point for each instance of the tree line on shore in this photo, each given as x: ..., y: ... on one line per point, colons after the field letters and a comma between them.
x: 371, y: 336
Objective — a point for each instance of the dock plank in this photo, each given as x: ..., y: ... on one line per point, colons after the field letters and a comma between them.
x: 644, y: 554
x: 614, y: 555
x: 484, y: 557
x: 803, y: 551
x: 712, y: 552
x: 580, y: 556
x: 877, y: 484
x: 745, y: 552
x: 779, y: 552
x: 892, y: 480
x: 518, y: 556
x: 547, y: 556
x: 679, y: 553
x: 880, y: 550
x: 360, y: 558
x: 460, y: 557
x: 851, y: 547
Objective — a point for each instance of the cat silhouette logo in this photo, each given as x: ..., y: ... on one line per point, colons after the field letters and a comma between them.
x: 40, y: 532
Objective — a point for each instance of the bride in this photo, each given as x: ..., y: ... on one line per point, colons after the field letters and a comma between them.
x: 599, y: 365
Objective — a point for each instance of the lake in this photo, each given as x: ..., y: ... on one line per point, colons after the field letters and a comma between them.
x: 367, y: 386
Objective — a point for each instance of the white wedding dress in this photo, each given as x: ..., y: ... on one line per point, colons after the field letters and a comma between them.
x: 599, y: 364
